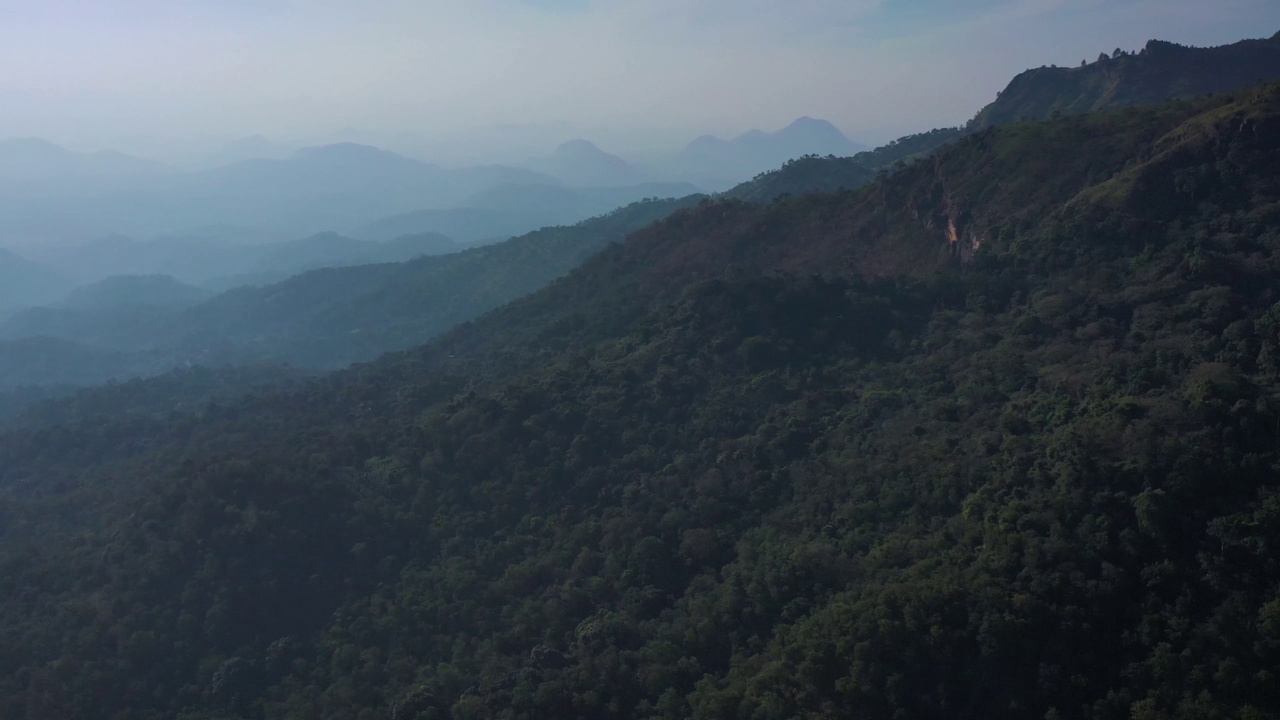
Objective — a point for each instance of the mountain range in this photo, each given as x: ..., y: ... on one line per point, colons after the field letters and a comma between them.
x: 1159, y: 72
x: 214, y: 262
x: 993, y: 435
x: 501, y: 210
x: 348, y: 188
x: 28, y: 159
x: 317, y: 320
x: 718, y: 164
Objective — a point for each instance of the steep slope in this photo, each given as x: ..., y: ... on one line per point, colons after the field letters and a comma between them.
x: 1160, y: 71
x: 803, y: 176
x: 992, y: 437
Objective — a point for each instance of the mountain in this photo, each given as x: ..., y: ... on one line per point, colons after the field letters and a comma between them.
x: 993, y: 436
x: 333, y: 250
x: 33, y: 159
x: 580, y: 163
x: 314, y: 190
x: 506, y: 210
x: 558, y: 205
x: 1160, y: 71
x: 335, y: 186
x: 804, y: 176
x: 410, y: 247
x: 210, y: 261
x: 131, y: 291
x: 24, y: 283
x: 332, y: 317
x: 55, y: 362
x: 716, y: 161
x: 463, y: 224
x: 804, y: 136
x: 173, y: 393
x: 338, y: 186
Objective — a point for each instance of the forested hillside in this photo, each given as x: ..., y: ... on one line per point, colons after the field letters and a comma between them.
x: 322, y: 319
x: 994, y: 436
x: 1160, y: 71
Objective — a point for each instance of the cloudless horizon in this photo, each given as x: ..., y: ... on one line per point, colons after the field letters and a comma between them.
x: 492, y: 79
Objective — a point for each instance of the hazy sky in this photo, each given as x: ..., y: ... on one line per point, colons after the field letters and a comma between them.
x: 119, y: 72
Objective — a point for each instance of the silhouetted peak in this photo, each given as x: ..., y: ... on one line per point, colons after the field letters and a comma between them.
x: 805, y: 122
x: 812, y: 127
x: 578, y: 148
x: 705, y: 142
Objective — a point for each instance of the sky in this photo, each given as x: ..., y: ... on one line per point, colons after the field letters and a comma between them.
x: 155, y: 76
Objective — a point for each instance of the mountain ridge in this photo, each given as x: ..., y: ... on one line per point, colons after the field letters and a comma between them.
x: 1160, y: 71
x: 824, y: 458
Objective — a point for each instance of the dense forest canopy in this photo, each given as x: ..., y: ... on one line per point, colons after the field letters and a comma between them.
x: 1160, y: 71
x: 995, y: 435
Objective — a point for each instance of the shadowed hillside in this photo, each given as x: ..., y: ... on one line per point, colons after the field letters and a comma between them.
x: 994, y: 436
x: 1160, y: 71
x: 320, y: 319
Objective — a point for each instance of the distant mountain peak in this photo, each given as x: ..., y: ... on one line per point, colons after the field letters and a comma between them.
x: 806, y: 121
x: 814, y: 128
x: 705, y: 141
x: 581, y: 162
x: 577, y: 145
x: 580, y: 150
x: 756, y: 151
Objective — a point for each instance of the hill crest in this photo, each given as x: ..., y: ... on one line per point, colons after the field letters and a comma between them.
x: 1158, y: 72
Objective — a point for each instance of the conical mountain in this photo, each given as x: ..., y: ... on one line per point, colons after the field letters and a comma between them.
x: 580, y: 163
